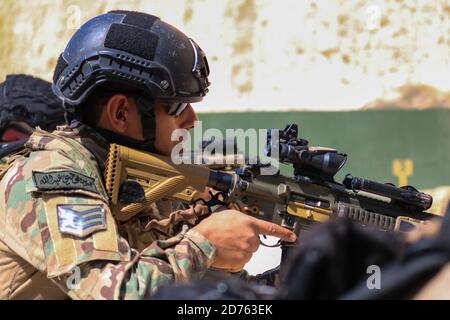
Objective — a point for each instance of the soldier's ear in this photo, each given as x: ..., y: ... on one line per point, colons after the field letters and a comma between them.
x: 116, y: 113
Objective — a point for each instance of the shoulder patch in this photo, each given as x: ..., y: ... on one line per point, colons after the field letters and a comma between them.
x: 81, y: 220
x: 63, y: 180
x: 65, y: 251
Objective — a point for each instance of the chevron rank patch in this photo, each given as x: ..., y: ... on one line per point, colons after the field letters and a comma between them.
x: 81, y: 220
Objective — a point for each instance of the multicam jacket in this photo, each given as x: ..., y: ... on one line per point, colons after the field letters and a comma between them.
x: 58, y: 237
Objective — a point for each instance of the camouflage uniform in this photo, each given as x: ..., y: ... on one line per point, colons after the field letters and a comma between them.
x: 42, y: 257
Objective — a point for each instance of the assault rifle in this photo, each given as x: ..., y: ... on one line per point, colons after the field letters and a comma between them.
x: 135, y: 179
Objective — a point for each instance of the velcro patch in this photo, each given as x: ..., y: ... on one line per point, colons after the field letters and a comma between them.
x: 81, y: 220
x: 63, y: 180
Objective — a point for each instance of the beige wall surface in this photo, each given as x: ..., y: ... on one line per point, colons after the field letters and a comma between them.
x: 265, y: 54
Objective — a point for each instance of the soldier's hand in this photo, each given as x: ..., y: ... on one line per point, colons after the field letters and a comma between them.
x: 236, y: 237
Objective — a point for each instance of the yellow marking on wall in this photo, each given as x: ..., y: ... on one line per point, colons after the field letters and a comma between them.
x: 402, y: 169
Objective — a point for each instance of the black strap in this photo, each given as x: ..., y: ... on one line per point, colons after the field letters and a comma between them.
x: 7, y: 148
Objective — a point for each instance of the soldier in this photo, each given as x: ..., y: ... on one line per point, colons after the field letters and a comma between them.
x: 128, y: 78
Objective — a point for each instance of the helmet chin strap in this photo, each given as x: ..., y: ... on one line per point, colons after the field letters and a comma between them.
x: 145, y: 106
x: 112, y: 137
x: 71, y: 113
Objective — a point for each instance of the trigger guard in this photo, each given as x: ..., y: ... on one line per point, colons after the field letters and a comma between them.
x: 213, y: 201
x: 276, y: 245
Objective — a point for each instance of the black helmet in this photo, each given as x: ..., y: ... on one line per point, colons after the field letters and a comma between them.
x: 136, y: 49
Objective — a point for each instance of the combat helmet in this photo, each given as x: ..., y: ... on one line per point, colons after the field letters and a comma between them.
x: 136, y: 49
x: 139, y: 51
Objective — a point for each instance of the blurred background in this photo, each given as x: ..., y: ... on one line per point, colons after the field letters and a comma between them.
x: 370, y: 78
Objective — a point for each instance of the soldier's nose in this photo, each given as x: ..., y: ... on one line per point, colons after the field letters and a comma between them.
x: 189, y: 117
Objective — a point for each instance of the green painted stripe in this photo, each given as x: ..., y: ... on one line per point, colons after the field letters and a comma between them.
x: 371, y: 138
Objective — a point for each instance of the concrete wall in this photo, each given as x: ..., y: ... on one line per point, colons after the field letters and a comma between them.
x: 291, y: 55
x: 287, y: 54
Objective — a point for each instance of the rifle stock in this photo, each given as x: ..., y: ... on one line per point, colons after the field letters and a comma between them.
x: 157, y: 175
